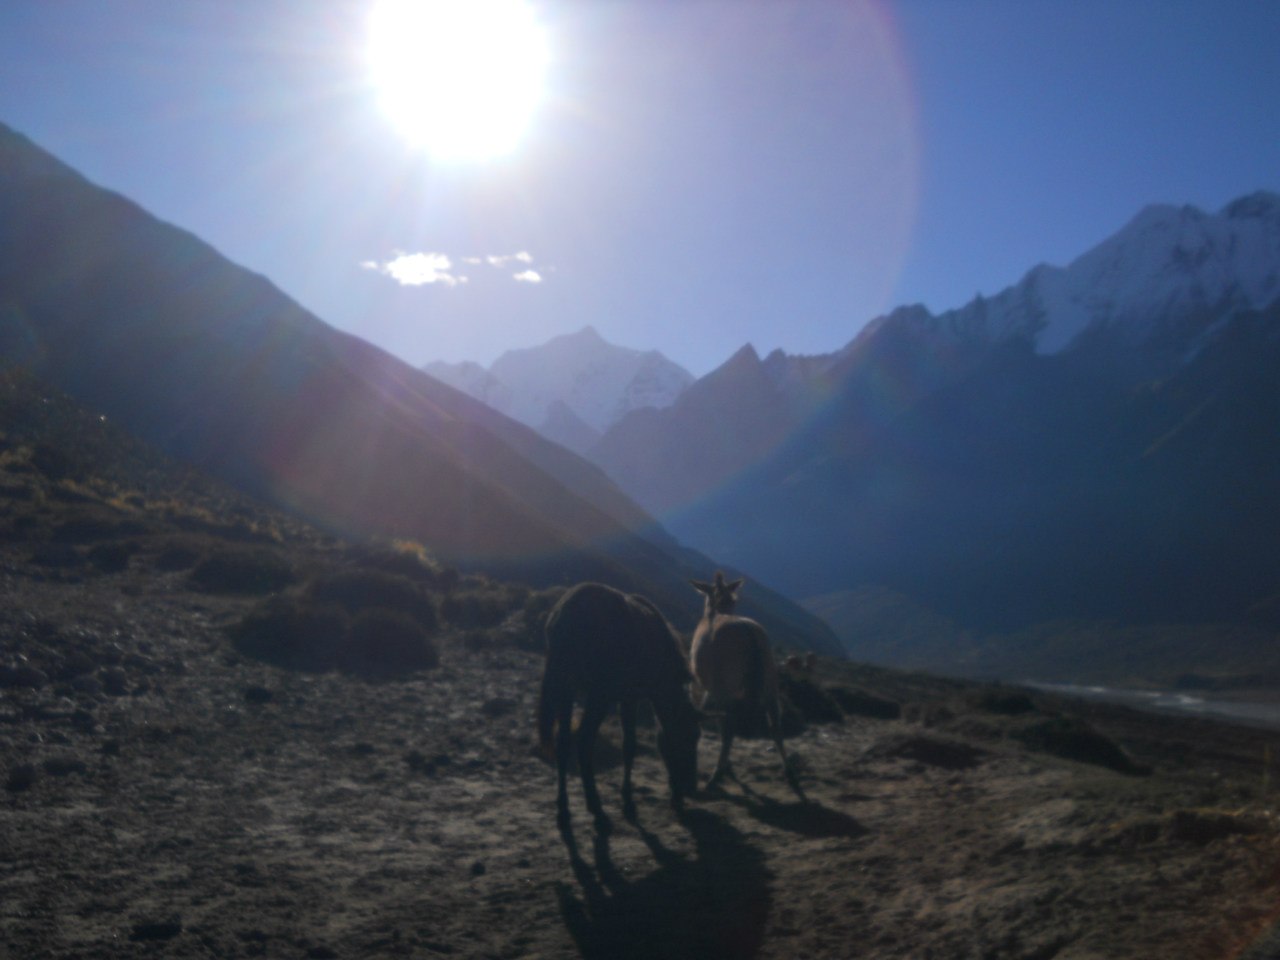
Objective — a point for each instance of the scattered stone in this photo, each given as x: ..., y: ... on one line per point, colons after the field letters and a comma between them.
x: 478, y: 869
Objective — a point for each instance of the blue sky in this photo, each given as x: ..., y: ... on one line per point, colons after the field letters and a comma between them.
x: 698, y: 175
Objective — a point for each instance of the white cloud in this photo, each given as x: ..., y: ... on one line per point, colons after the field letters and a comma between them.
x: 417, y: 269
x: 502, y: 259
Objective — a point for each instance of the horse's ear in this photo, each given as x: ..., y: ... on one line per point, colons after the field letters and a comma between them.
x: 702, y: 587
x: 736, y: 585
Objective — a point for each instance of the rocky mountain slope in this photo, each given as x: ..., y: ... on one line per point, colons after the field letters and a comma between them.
x: 572, y: 388
x: 178, y: 782
x: 150, y: 326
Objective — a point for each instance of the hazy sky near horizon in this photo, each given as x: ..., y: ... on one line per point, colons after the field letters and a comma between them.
x: 698, y: 174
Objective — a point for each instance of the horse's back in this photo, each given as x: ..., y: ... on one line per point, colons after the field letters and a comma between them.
x: 732, y: 661
x: 608, y: 639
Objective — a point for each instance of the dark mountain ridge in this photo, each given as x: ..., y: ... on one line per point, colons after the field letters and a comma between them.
x: 212, y: 363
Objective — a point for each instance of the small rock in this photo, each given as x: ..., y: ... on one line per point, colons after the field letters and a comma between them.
x: 114, y: 681
x: 156, y: 930
x: 135, y: 661
x: 89, y: 685
x: 498, y: 707
x: 75, y: 664
x: 64, y: 766
x: 23, y: 675
x: 478, y: 869
x: 21, y: 777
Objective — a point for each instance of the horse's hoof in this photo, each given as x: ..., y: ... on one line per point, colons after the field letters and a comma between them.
x: 604, y: 826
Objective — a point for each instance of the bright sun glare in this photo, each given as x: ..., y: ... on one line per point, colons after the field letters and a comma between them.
x: 460, y: 78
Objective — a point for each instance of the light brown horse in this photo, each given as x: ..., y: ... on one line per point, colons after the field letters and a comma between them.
x: 733, y: 664
x: 614, y: 648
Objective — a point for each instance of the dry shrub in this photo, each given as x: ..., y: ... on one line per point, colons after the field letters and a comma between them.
x: 242, y: 570
x: 406, y: 559
x: 859, y: 703
x: 292, y: 634
x: 485, y: 604
x: 1074, y: 739
x: 359, y: 590
x: 112, y: 557
x: 810, y: 700
x: 385, y: 643
x: 177, y: 554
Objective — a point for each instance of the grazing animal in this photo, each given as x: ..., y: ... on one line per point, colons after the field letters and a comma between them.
x: 733, y: 664
x: 615, y: 648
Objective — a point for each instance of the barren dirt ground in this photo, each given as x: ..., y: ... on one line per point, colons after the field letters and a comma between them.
x: 208, y: 805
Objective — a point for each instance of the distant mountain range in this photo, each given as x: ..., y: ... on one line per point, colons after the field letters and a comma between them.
x: 1097, y: 443
x: 571, y: 389
x: 1100, y: 441
x: 150, y: 326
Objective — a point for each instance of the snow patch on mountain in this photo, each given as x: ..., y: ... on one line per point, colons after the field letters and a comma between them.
x: 574, y: 386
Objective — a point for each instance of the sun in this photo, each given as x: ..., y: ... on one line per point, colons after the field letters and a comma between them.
x: 459, y: 78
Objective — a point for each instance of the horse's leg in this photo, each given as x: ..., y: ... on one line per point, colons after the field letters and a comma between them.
x: 627, y: 715
x: 724, y: 768
x: 564, y: 743
x: 774, y: 720
x: 593, y: 715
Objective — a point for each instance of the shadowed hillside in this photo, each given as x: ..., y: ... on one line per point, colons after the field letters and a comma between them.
x: 151, y: 326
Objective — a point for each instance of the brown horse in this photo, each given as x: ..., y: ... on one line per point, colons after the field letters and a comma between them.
x: 615, y: 648
x: 733, y: 664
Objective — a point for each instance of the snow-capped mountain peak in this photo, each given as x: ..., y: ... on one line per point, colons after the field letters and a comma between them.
x: 579, y: 373
x: 1160, y: 278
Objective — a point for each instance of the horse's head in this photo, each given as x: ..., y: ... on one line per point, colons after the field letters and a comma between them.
x: 681, y: 727
x: 721, y: 597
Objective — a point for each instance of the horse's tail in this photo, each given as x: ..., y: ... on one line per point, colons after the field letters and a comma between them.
x: 547, y: 713
x: 553, y: 690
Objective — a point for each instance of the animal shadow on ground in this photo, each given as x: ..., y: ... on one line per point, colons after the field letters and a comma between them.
x: 809, y: 819
x: 714, y: 905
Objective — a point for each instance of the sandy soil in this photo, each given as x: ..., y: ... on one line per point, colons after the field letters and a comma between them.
x: 184, y: 801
